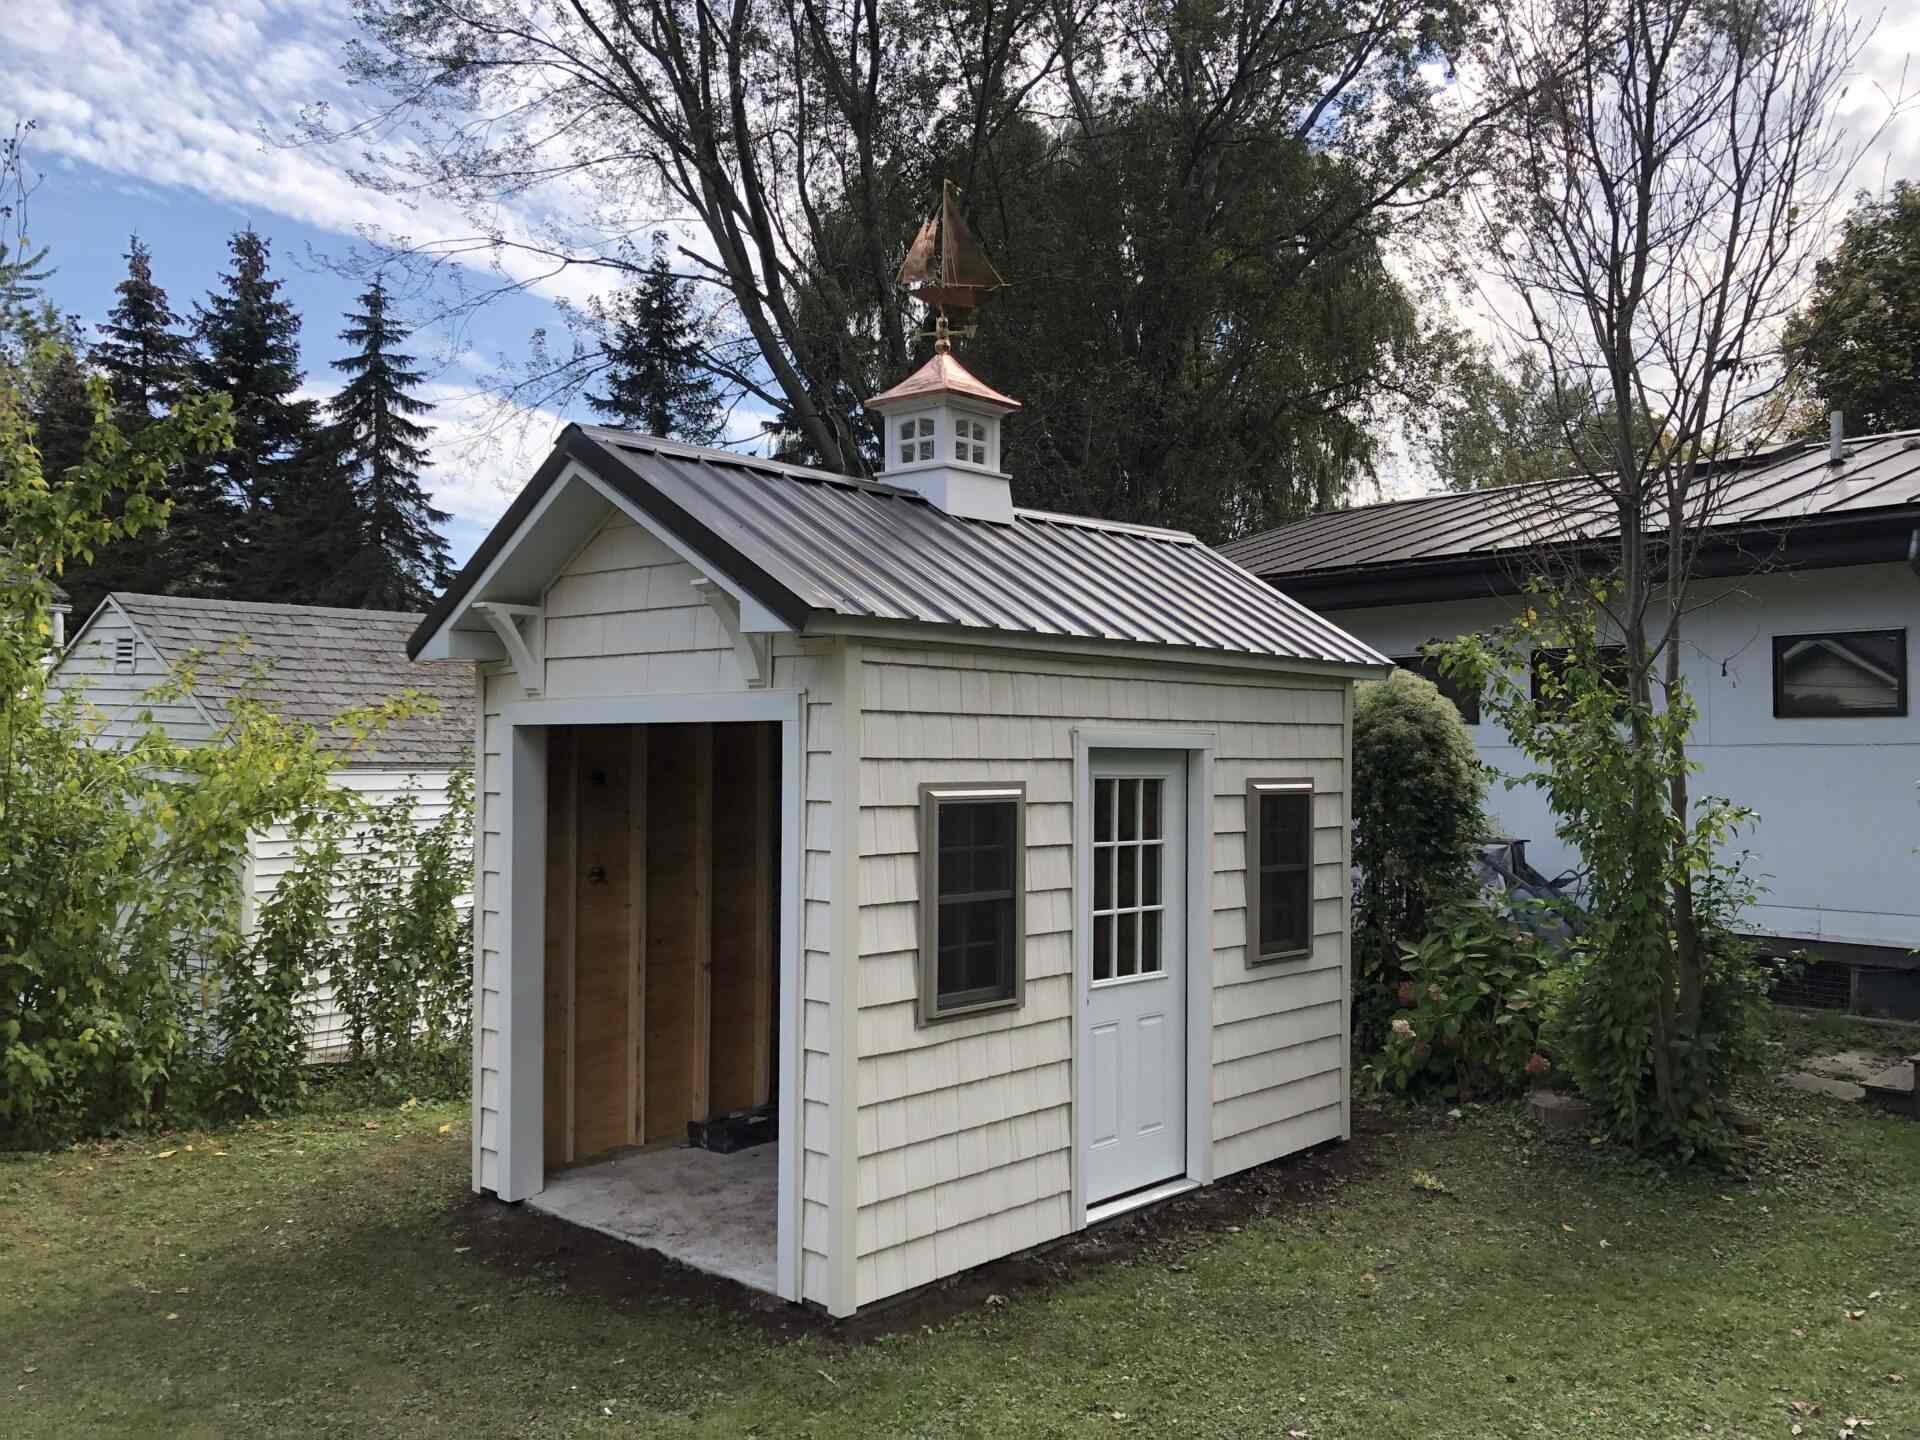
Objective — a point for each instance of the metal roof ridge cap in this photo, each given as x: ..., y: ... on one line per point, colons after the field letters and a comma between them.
x: 1095, y: 522
x: 760, y: 464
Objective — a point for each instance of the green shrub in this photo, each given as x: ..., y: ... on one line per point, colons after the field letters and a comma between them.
x: 1475, y: 995
x: 403, y: 971
x: 1417, y: 815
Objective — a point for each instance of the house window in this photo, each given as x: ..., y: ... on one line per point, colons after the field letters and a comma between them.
x: 916, y: 439
x: 1279, y: 870
x: 1427, y: 667
x: 1614, y: 671
x: 125, y: 652
x: 970, y: 440
x: 1858, y: 673
x: 972, y: 898
x: 1129, y: 854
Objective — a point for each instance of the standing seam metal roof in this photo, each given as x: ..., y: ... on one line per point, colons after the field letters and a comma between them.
x: 1774, y: 490
x: 805, y: 542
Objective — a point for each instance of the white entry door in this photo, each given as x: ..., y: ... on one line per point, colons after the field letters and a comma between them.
x: 1136, y: 976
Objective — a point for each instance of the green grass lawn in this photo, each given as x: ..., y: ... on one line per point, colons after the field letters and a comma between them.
x: 306, y: 1277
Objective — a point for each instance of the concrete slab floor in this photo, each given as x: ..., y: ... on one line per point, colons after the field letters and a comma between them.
x: 715, y: 1213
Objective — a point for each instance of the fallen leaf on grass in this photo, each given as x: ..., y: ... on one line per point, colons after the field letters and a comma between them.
x: 1803, y: 1407
x: 447, y: 1128
x: 373, y: 1124
x: 165, y: 1155
x: 1856, y: 1314
x: 1798, y: 1333
x: 1427, y: 1181
x: 173, y: 1314
x: 1896, y: 1379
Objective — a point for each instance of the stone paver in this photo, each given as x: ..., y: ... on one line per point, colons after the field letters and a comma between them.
x: 1823, y: 1085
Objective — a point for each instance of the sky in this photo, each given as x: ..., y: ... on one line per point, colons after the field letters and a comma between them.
x: 162, y: 117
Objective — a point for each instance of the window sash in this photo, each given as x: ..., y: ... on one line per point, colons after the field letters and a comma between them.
x: 1467, y: 702
x: 1262, y: 948
x: 942, y: 913
x: 1791, y: 707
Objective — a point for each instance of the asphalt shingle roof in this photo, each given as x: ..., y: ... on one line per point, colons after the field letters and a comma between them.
x: 309, y: 663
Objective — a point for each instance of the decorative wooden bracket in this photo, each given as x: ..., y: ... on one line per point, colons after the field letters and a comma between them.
x: 505, y: 620
x: 752, y: 650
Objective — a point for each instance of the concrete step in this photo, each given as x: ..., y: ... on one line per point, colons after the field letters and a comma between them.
x: 1893, y: 1088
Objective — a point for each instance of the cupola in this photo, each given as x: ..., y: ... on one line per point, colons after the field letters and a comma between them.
x: 943, y: 439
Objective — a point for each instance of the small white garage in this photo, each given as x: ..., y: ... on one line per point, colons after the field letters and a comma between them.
x: 996, y: 860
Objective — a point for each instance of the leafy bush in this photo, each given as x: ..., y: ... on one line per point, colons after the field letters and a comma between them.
x: 130, y: 991
x: 1476, y: 994
x: 403, y: 971
x: 1417, y: 814
x: 1664, y: 1005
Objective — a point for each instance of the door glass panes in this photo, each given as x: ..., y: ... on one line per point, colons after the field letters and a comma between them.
x: 1129, y: 841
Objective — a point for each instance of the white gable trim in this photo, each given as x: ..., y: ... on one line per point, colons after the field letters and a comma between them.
x: 754, y: 616
x: 444, y: 643
x: 192, y: 696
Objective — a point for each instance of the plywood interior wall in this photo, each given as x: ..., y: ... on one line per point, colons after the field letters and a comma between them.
x: 745, y: 823
x: 661, y: 935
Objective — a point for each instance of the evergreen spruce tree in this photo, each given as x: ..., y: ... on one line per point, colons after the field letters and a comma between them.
x: 249, y: 348
x: 143, y: 354
x: 658, y: 381
x: 146, y: 358
x: 399, y: 559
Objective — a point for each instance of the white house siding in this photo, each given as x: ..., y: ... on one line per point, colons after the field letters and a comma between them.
x: 118, y: 698
x: 622, y: 619
x: 1839, y: 811
x: 964, y: 1128
x: 272, y: 853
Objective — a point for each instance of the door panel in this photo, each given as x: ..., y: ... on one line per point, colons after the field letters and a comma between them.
x: 1135, y: 980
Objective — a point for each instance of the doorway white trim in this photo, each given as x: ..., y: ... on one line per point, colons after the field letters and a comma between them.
x: 1199, y: 747
x: 522, y: 770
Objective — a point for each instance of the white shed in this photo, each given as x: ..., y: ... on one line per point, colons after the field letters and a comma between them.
x: 309, y: 663
x: 998, y: 858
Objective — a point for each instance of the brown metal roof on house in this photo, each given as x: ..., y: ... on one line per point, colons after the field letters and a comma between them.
x: 1766, y: 499
x: 809, y: 544
x: 308, y: 663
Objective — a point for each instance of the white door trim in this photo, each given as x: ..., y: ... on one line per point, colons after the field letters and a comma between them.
x: 1199, y: 747
x: 522, y: 775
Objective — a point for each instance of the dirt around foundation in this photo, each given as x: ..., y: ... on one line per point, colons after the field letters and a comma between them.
x: 528, y: 1245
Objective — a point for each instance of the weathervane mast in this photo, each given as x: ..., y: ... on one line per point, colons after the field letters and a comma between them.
x: 946, y: 269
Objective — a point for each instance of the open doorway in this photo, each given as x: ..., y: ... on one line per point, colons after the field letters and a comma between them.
x: 661, y: 989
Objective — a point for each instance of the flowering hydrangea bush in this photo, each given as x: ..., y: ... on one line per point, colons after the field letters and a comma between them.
x: 1472, y: 1009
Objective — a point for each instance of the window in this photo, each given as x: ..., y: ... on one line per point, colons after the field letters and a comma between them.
x: 970, y: 440
x: 916, y: 439
x: 1856, y: 673
x: 126, y: 650
x: 1613, y: 669
x: 972, y: 898
x: 1129, y: 852
x: 1279, y: 870
x: 1467, y: 702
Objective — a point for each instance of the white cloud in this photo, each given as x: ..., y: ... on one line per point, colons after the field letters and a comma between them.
x: 178, y: 93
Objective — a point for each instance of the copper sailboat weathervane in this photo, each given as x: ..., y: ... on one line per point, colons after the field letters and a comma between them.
x: 947, y: 270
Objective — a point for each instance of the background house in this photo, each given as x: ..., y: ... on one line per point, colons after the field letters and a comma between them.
x: 1798, y: 655
x: 309, y: 664
x: 1000, y: 857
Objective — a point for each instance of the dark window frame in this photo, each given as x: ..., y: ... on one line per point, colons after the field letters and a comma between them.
x: 934, y: 798
x: 1612, y: 657
x: 1428, y: 668
x: 1782, y: 642
x: 1258, y: 951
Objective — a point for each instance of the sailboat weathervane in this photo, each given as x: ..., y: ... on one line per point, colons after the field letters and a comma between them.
x: 947, y: 270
